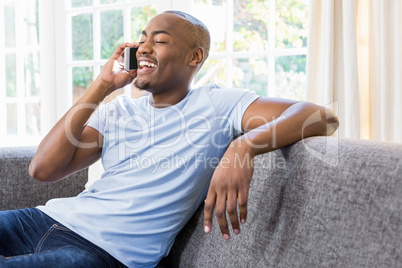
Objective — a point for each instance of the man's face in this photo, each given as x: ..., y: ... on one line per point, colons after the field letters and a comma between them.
x: 163, y: 55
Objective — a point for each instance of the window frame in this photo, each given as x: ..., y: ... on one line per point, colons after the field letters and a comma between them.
x: 271, y: 53
x: 63, y: 49
x: 20, y: 100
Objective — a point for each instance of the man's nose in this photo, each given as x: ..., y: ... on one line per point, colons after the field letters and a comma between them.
x: 145, y: 48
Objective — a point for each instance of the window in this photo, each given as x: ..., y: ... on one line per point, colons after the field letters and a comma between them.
x: 52, y: 50
x: 96, y: 28
x: 20, y: 80
x: 259, y: 45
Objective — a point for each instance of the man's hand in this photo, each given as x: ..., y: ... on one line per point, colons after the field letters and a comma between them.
x: 269, y: 124
x: 113, y: 72
x: 229, y: 189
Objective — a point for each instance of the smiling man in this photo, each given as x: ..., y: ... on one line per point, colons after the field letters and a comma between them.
x: 164, y: 154
x: 168, y: 44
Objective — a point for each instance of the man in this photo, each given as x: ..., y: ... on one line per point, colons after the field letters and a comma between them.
x: 163, y: 154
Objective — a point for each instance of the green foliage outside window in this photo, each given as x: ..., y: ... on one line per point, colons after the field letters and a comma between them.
x: 251, y: 33
x: 82, y: 36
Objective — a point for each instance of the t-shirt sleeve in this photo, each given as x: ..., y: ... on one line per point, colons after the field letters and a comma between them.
x: 233, y: 103
x: 98, y: 119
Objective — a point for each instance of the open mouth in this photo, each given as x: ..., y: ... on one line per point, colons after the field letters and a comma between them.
x: 147, y: 64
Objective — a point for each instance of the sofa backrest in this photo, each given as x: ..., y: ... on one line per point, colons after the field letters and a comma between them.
x: 19, y: 190
x: 321, y: 202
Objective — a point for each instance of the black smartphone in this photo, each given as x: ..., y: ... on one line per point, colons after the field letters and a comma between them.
x: 130, y: 58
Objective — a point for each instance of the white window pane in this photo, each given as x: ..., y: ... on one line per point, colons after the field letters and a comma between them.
x: 82, y: 78
x: 11, y: 80
x: 139, y: 19
x: 290, y: 77
x: 11, y: 118
x: 80, y: 3
x: 250, y: 25
x: 214, y: 15
x: 213, y: 71
x: 31, y: 19
x: 32, y: 119
x: 112, y: 31
x: 291, y: 23
x: 9, y: 24
x: 251, y: 73
x: 32, y: 74
x: 82, y: 37
x: 21, y: 69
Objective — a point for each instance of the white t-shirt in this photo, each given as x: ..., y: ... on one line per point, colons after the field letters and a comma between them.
x: 158, y: 164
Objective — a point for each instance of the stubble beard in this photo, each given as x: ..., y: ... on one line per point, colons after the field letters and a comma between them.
x: 142, y: 86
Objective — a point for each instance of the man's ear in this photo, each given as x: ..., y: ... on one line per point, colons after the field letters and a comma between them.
x: 197, y: 57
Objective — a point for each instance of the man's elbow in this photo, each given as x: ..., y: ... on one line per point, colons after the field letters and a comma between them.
x: 319, y: 121
x: 329, y: 123
x: 332, y: 125
x: 40, y: 173
x: 35, y: 173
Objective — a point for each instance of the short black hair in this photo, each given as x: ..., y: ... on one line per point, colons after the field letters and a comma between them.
x: 198, y: 29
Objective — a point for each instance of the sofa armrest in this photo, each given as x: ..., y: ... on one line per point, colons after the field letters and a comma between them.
x: 19, y: 190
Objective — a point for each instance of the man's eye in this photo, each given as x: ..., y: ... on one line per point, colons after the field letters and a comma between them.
x: 160, y: 42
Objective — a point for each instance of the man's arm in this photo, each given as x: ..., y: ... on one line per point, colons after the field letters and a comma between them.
x: 269, y: 124
x: 71, y: 145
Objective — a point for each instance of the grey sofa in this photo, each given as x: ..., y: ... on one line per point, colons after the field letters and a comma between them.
x: 19, y: 190
x: 321, y: 202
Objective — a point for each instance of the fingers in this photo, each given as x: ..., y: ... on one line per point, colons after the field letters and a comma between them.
x: 120, y: 49
x: 220, y: 211
x: 208, y: 211
x: 232, y: 211
x: 228, y: 202
x: 242, y: 199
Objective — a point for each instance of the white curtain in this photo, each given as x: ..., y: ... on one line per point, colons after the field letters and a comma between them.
x: 354, y: 65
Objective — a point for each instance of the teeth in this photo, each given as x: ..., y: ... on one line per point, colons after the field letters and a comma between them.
x: 147, y: 64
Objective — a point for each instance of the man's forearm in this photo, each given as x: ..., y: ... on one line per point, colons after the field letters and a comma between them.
x: 230, y: 182
x: 301, y: 120
x: 60, y: 153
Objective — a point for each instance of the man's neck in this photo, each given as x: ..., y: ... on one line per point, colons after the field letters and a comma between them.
x: 169, y: 98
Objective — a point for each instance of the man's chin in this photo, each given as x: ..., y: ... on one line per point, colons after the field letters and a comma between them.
x: 141, y: 85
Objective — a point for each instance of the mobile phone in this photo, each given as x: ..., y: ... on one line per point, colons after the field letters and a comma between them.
x: 130, y: 58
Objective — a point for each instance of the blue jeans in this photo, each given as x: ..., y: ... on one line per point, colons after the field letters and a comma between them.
x: 30, y: 238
